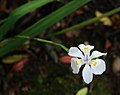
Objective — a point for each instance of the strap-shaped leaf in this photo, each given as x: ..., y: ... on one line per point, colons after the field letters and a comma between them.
x: 54, y: 17
x: 19, y: 12
x: 85, y: 23
x: 42, y: 24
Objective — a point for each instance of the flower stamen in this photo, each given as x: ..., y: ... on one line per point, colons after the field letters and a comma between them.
x: 94, y: 64
x: 78, y: 61
x: 86, y: 49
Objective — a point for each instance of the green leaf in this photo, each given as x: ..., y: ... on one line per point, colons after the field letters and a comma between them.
x: 82, y: 91
x: 85, y: 23
x: 2, y: 21
x: 42, y: 24
x: 13, y: 58
x: 18, y: 13
x: 2, y: 43
x: 54, y: 17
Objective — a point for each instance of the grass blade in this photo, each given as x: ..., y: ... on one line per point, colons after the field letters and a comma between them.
x: 2, y: 21
x: 85, y: 23
x: 19, y: 12
x: 41, y: 25
x: 53, y: 18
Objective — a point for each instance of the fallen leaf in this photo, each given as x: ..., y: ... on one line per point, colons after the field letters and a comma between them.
x: 72, y: 34
x: 19, y: 66
x: 13, y: 58
x: 105, y: 20
x: 116, y: 66
x: 65, y: 59
x: 107, y: 44
x: 82, y: 91
x: 80, y: 11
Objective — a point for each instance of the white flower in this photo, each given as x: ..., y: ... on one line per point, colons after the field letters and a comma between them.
x: 93, y: 65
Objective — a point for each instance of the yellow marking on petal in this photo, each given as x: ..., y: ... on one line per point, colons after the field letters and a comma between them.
x: 78, y: 61
x: 94, y: 64
x: 86, y: 49
x: 81, y: 61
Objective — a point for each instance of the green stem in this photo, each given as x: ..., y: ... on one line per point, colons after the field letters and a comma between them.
x: 85, y: 23
x: 45, y: 41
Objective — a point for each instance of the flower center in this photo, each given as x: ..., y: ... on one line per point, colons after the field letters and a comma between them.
x: 86, y: 59
x: 94, y: 63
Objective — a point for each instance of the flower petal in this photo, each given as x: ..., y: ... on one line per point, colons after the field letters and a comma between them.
x: 87, y: 74
x: 75, y: 66
x: 88, y: 47
x: 96, y: 54
x: 99, y: 67
x: 74, y: 51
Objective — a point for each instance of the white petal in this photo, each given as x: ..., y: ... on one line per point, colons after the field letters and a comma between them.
x: 75, y: 67
x: 74, y: 51
x: 99, y: 68
x: 87, y: 74
x: 96, y: 54
x: 82, y: 46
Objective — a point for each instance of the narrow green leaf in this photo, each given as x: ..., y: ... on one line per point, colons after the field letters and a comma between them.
x: 2, y: 43
x: 2, y: 21
x: 19, y: 12
x: 82, y: 91
x: 85, y: 23
x: 54, y: 17
x: 13, y: 58
x: 42, y: 24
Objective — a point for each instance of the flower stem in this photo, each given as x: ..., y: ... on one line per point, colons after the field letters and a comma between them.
x: 45, y: 41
